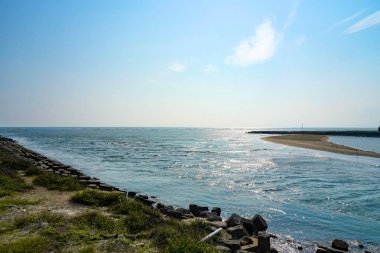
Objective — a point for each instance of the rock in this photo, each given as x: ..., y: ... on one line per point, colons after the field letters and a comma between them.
x: 259, y: 222
x: 263, y: 242
x: 92, y: 186
x: 196, y: 210
x: 339, y: 244
x: 132, y: 194
x: 204, y: 214
x: 246, y: 240
x: 273, y: 250
x: 219, y: 224
x: 213, y: 217
x: 160, y: 205
x: 232, y: 244
x: 330, y: 249
x: 300, y: 248
x: 105, y: 187
x: 222, y: 248
x: 236, y: 232
x: 233, y: 220
x: 320, y: 250
x: 249, y: 248
x: 216, y: 211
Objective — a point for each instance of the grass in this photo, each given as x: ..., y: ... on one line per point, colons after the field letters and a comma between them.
x: 10, y: 181
x: 38, y: 218
x: 97, y: 198
x: 97, y: 221
x: 34, y: 244
x: 55, y: 182
x: 8, y: 202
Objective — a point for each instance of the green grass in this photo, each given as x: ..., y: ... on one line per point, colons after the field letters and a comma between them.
x: 97, y: 221
x: 8, y: 202
x: 11, y: 182
x: 185, y: 244
x: 34, y: 244
x: 38, y: 218
x: 97, y: 198
x: 55, y: 182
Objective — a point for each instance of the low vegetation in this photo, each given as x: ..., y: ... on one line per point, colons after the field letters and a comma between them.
x: 112, y: 222
x: 55, y: 182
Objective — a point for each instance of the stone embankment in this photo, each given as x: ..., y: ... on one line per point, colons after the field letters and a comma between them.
x: 240, y: 234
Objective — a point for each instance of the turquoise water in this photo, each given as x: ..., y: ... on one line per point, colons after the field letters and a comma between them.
x: 304, y: 194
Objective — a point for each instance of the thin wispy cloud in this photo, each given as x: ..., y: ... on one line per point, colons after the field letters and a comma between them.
x: 177, y: 67
x: 367, y: 22
x: 210, y: 68
x: 263, y: 44
x: 345, y: 20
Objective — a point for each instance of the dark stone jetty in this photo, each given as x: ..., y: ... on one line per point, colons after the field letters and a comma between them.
x: 353, y: 133
x: 241, y: 235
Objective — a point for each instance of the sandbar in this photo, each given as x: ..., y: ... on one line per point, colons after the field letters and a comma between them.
x: 318, y: 142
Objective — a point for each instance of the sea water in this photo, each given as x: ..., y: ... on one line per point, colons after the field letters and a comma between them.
x: 305, y: 195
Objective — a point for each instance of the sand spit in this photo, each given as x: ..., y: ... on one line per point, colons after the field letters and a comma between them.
x: 318, y: 142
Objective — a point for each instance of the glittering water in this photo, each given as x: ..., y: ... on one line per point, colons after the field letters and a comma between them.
x: 304, y: 194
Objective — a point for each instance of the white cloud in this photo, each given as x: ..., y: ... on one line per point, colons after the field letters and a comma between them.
x: 263, y: 45
x: 210, y: 68
x: 367, y: 22
x: 300, y: 40
x: 177, y: 67
x: 258, y: 48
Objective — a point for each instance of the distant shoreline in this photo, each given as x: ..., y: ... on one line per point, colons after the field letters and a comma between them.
x: 353, y: 133
x: 318, y: 142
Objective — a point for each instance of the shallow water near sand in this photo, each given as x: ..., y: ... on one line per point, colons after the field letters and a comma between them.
x: 306, y: 195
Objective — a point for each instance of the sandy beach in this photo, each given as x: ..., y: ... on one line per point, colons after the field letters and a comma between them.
x: 318, y: 142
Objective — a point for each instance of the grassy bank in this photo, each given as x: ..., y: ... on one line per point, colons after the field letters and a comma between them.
x: 43, y: 212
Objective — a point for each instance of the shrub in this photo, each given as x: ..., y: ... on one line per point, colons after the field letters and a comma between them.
x: 97, y: 198
x: 26, y: 245
x: 55, y: 182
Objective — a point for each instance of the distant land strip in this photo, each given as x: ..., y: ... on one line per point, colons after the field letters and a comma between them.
x: 318, y: 142
x: 354, y: 133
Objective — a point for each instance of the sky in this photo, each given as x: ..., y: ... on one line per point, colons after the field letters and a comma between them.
x: 190, y: 63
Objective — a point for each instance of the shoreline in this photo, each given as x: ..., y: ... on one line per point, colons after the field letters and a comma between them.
x: 318, y: 142
x: 236, y: 232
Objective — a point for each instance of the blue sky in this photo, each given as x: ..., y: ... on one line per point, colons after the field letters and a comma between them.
x: 190, y: 63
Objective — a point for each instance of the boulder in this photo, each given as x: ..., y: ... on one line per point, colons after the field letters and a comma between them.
x: 196, y: 210
x: 263, y: 242
x: 246, y: 241
x: 131, y: 194
x: 236, y: 232
x: 216, y: 210
x: 213, y: 217
x: 259, y: 222
x: 340, y: 244
x: 221, y: 248
x: 233, y: 220
x: 160, y: 205
x: 232, y: 244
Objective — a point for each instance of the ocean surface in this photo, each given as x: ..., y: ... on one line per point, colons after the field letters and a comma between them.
x: 305, y: 195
